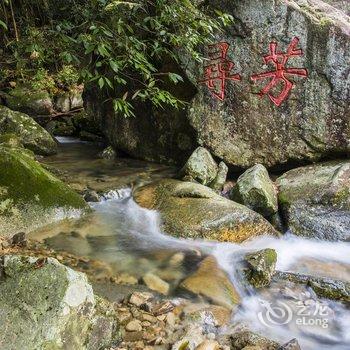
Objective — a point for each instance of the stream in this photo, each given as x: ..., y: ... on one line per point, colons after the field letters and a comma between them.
x: 129, y: 239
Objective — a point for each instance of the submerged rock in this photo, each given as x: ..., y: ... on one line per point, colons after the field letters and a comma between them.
x: 29, y: 101
x: 255, y: 189
x: 155, y: 283
x: 324, y: 287
x: 54, y: 307
x: 245, y: 339
x: 30, y: 196
x: 191, y: 210
x: 31, y: 134
x: 261, y: 267
x: 212, y: 283
x: 315, y: 200
x: 200, y: 167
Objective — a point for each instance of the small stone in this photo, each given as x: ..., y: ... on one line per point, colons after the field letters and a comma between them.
x: 149, y: 318
x: 91, y: 196
x: 170, y: 319
x: 133, y: 336
x: 146, y: 323
x: 134, y: 326
x: 155, y: 283
x: 161, y: 317
x: 139, y: 298
x: 208, y: 345
x: 291, y: 345
x: 123, y: 316
x: 19, y: 239
x: 163, y: 308
x: 177, y: 259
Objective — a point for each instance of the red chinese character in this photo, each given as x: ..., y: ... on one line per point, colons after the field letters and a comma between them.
x: 281, y: 73
x: 219, y: 70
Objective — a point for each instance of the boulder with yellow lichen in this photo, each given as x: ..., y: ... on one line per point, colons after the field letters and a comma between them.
x: 191, y: 210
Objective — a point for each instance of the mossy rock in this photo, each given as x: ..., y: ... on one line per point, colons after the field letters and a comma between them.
x: 255, y: 189
x: 261, y: 267
x: 29, y: 101
x: 29, y: 194
x: 31, y: 134
x: 54, y: 307
x: 191, y: 210
x: 315, y: 200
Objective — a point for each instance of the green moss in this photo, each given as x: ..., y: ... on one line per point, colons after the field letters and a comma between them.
x: 27, y: 181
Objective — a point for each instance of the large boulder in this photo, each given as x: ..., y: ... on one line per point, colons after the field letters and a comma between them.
x: 313, y: 120
x: 54, y: 307
x: 315, y: 200
x: 32, y: 135
x: 32, y: 102
x: 255, y: 189
x: 30, y: 196
x: 244, y: 128
x: 192, y: 210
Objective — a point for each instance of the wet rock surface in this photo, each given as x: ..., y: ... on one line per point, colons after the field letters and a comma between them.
x: 260, y: 267
x: 323, y: 287
x: 315, y: 200
x: 194, y: 211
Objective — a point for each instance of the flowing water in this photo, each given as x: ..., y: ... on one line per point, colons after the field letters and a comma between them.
x: 129, y: 239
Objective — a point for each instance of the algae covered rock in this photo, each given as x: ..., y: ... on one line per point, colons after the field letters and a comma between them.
x: 324, y: 287
x: 30, y: 196
x: 261, y: 267
x: 200, y: 167
x: 315, y: 200
x: 31, y: 134
x: 192, y: 210
x: 30, y: 101
x: 213, y: 283
x: 54, y: 307
x: 255, y: 190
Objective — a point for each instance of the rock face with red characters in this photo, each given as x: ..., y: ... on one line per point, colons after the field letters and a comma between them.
x: 292, y: 102
x: 275, y: 89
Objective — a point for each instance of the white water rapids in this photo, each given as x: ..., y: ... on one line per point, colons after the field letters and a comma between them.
x: 138, y: 229
x: 129, y: 238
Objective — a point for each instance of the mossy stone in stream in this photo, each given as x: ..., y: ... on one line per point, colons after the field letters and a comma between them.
x: 191, y: 210
x: 261, y: 267
x: 29, y: 194
x: 31, y: 134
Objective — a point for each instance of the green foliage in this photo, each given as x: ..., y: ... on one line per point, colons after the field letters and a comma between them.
x: 119, y: 45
